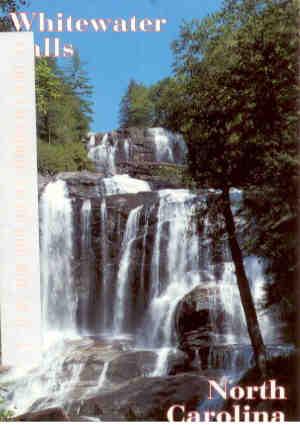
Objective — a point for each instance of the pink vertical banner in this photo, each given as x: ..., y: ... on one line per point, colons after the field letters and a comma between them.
x: 19, y: 229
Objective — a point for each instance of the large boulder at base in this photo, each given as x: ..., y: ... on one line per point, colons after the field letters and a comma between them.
x: 144, y: 399
x: 50, y: 415
x: 199, y: 320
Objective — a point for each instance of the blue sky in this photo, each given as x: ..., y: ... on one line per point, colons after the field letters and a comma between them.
x: 112, y: 59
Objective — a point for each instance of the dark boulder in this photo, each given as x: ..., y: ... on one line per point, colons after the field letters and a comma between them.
x: 128, y: 366
x: 199, y: 322
x: 49, y: 415
x: 144, y: 399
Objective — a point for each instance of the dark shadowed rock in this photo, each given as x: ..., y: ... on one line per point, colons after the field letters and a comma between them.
x: 49, y: 415
x: 144, y: 399
x: 199, y: 321
x: 131, y: 365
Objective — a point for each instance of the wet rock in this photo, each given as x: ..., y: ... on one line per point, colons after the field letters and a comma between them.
x: 144, y: 399
x: 128, y: 366
x: 82, y: 184
x: 90, y: 359
x: 42, y: 182
x: 49, y: 415
x: 178, y: 362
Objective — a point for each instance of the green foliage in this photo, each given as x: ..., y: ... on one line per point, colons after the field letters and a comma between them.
x: 5, y: 415
x: 63, y: 115
x: 136, y: 109
x: 176, y: 174
x: 63, y: 101
x: 48, y: 86
x: 79, y: 84
x: 167, y: 100
x: 53, y: 159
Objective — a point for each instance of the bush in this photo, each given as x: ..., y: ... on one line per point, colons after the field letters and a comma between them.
x: 53, y: 159
x: 177, y: 174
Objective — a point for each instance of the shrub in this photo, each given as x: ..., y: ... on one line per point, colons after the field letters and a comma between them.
x: 53, y: 159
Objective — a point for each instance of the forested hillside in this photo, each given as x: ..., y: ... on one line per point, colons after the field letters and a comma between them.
x: 63, y: 115
x: 64, y: 108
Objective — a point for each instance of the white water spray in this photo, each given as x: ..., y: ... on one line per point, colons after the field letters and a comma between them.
x: 130, y: 235
x: 59, y: 297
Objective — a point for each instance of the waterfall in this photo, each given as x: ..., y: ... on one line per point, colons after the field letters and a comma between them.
x: 121, y: 300
x: 134, y: 269
x: 104, y: 256
x: 169, y: 147
x: 162, y: 361
x: 59, y: 300
x: 126, y: 147
x: 86, y: 261
x: 102, y: 378
x: 91, y: 140
x: 176, y: 241
x: 123, y: 183
x: 103, y: 155
x: 142, y: 288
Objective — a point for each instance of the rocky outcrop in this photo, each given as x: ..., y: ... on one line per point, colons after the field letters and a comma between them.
x: 128, y: 366
x: 144, y: 399
x: 158, y: 175
x: 48, y: 415
x: 83, y: 184
x: 199, y: 319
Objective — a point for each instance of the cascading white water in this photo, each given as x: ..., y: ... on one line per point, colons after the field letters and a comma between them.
x: 105, y: 306
x: 162, y: 361
x: 126, y: 148
x: 169, y: 147
x: 123, y: 183
x: 91, y: 140
x: 85, y: 260
x: 130, y: 235
x: 103, y: 155
x: 181, y: 270
x: 59, y: 297
x: 102, y: 378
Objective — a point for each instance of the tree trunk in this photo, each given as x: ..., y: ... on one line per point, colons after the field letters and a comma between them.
x: 244, y: 287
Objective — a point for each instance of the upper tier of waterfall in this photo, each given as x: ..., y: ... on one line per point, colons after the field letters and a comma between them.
x: 111, y: 151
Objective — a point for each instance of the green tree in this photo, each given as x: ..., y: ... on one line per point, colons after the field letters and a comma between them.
x: 136, y: 109
x: 168, y: 97
x: 49, y: 91
x: 79, y: 83
x: 64, y: 111
x: 63, y: 115
x: 239, y: 119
